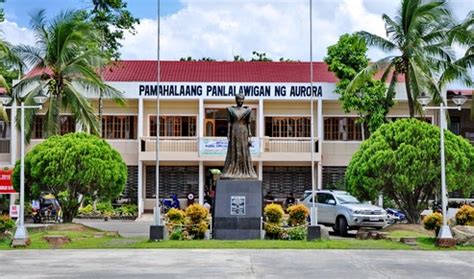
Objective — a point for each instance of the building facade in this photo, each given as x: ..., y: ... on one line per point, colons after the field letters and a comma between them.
x: 193, y: 126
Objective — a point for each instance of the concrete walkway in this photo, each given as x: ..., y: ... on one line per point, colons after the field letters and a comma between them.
x: 180, y: 263
x: 124, y: 227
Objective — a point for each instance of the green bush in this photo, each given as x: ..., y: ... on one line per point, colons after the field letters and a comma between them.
x: 433, y: 221
x: 297, y: 233
x: 104, y: 207
x: 273, y: 213
x: 86, y: 210
x: 176, y: 216
x: 196, y: 221
x: 6, y: 224
x: 177, y: 234
x: 273, y: 230
x: 298, y: 214
x: 127, y: 210
x: 465, y: 216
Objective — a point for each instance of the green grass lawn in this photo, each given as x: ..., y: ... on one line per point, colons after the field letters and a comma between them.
x: 87, y: 238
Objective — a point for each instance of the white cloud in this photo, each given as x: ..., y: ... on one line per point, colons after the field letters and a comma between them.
x: 12, y: 33
x: 222, y: 29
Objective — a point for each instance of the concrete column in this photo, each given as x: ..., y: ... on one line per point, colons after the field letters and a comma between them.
x: 140, y: 188
x: 140, y: 163
x: 201, y: 117
x: 201, y: 182
x: 320, y: 141
x: 260, y: 170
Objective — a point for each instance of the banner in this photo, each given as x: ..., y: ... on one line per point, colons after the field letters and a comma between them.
x: 6, y: 185
x: 218, y: 147
x: 14, y: 211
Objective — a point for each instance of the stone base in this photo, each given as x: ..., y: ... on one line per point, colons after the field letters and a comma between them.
x: 157, y: 232
x: 21, y: 242
x: 242, y: 224
x: 446, y: 242
x: 317, y: 232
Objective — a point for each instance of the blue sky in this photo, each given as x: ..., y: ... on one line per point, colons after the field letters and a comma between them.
x: 19, y: 10
x: 223, y: 28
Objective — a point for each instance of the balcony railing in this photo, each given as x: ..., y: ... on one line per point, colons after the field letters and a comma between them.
x: 212, y: 145
x: 170, y: 144
x: 289, y: 145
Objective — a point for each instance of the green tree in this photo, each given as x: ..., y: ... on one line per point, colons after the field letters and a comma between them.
x: 65, y: 64
x: 112, y: 19
x: 419, y: 36
x: 370, y: 98
x: 73, y: 167
x: 401, y: 160
x: 260, y: 56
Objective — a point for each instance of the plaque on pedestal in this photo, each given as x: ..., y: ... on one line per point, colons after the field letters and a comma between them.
x: 238, y: 209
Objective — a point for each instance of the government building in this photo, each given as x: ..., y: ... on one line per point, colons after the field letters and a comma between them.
x: 193, y: 126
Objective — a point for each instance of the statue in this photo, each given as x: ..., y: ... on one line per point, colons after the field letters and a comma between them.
x: 238, y: 163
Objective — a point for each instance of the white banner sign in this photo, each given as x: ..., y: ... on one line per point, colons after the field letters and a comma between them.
x: 218, y: 147
x: 14, y: 211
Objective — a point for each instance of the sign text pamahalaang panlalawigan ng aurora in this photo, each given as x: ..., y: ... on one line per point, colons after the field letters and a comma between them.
x: 230, y: 90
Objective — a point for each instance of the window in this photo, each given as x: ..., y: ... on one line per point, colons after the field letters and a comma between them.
x: 119, y: 127
x: 216, y: 122
x: 288, y: 127
x: 67, y: 125
x: 174, y: 126
x: 342, y: 129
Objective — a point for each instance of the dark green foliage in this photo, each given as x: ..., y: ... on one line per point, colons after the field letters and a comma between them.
x: 402, y: 161
x: 112, y: 19
x: 370, y: 98
x: 72, y: 167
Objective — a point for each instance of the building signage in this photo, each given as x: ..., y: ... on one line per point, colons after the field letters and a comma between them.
x: 225, y: 90
x: 237, y: 205
x: 6, y: 185
x: 218, y: 147
x: 229, y: 90
x: 14, y: 211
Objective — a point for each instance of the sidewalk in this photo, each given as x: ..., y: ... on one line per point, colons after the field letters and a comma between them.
x: 126, y: 228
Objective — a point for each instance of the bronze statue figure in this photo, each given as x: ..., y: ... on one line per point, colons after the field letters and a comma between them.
x: 238, y: 163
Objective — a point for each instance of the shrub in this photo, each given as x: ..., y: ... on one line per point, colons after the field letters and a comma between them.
x: 6, y: 227
x: 274, y: 213
x: 465, y: 216
x: 297, y: 233
x: 104, y: 207
x: 177, y: 234
x: 433, y: 221
x: 196, y: 220
x: 86, y: 210
x: 176, y: 216
x: 298, y: 214
x: 128, y: 210
x: 273, y: 230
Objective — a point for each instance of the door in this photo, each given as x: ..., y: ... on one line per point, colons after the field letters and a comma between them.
x: 326, y: 211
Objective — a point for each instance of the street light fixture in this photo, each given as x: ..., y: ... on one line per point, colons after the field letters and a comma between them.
x: 445, y: 238
x: 21, y: 234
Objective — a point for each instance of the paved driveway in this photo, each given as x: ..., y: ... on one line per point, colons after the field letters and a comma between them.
x: 124, y: 228
x: 180, y: 263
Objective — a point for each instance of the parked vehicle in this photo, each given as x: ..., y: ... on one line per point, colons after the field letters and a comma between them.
x: 394, y: 215
x: 344, y: 212
x: 169, y: 203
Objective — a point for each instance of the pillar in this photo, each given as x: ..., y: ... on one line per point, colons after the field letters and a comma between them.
x: 201, y: 182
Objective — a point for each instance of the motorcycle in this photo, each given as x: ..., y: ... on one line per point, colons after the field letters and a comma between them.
x: 169, y: 203
x: 394, y: 215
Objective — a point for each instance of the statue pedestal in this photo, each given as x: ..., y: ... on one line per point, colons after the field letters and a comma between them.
x: 238, y: 209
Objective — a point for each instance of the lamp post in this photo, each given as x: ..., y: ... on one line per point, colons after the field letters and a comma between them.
x: 21, y: 234
x: 444, y: 238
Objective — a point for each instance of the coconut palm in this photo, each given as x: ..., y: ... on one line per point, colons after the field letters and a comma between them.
x: 65, y: 62
x: 9, y: 59
x: 419, y: 34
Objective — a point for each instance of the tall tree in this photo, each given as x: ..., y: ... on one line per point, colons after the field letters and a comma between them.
x: 65, y: 64
x: 401, y: 160
x: 111, y: 18
x: 418, y: 33
x: 370, y: 99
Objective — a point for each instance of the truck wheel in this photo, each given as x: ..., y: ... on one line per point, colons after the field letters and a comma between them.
x: 342, y: 226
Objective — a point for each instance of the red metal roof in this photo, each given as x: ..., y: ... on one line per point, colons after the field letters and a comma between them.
x: 214, y: 71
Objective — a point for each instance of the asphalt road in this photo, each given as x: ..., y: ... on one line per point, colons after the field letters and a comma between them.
x: 168, y: 263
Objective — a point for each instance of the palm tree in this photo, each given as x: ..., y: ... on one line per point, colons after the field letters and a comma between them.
x: 65, y: 63
x: 419, y: 34
x: 9, y: 59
